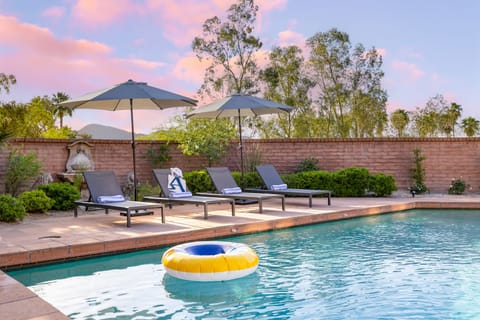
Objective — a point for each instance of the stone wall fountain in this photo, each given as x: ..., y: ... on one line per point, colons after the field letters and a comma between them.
x: 79, y: 160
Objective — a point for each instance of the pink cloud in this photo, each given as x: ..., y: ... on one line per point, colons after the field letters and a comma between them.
x: 45, y: 64
x: 289, y: 37
x: 54, y: 12
x: 410, y: 70
x: 190, y: 69
x: 93, y: 13
x: 181, y: 28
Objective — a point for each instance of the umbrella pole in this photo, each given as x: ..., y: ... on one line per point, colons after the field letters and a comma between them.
x: 133, y: 152
x: 242, y: 167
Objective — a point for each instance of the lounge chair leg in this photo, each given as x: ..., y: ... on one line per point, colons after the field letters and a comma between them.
x: 233, y: 208
x: 260, y: 206
x: 163, y: 214
x: 128, y: 218
x: 310, y: 201
x: 329, y: 198
x: 283, y: 204
x: 75, y: 211
x: 205, y: 211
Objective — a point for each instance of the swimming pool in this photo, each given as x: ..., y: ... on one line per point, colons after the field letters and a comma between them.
x: 409, y: 265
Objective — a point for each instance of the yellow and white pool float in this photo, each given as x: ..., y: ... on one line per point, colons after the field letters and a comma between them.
x: 210, y: 261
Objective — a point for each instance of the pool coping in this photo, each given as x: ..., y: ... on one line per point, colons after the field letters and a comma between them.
x: 14, y: 296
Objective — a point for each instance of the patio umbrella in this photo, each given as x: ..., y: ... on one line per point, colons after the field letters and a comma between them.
x: 239, y: 105
x: 122, y: 97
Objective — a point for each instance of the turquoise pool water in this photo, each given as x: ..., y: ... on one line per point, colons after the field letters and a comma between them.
x: 408, y: 265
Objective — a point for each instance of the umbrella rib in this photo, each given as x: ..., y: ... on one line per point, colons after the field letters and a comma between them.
x: 116, y: 105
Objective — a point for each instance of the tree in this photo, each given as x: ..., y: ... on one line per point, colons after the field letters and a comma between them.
x: 285, y: 82
x: 350, y: 97
x: 399, y: 120
x: 470, y: 126
x: 6, y: 81
x: 229, y: 47
x: 29, y: 120
x: 428, y: 121
x: 449, y: 118
x: 59, y: 110
x: 203, y: 137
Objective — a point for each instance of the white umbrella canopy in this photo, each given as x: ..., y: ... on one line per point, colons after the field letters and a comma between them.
x: 239, y: 105
x: 130, y: 95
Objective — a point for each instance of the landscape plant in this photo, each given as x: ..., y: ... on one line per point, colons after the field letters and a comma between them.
x: 418, y: 173
x: 64, y: 194
x: 20, y: 172
x: 308, y: 164
x: 458, y: 186
x: 36, y: 201
x: 11, y: 209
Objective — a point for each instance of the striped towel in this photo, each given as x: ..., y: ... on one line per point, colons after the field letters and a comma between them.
x: 278, y: 187
x: 232, y: 190
x: 180, y: 194
x: 109, y: 199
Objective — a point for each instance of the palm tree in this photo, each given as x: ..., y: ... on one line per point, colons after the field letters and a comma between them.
x: 59, y: 110
x: 470, y: 126
x: 399, y: 120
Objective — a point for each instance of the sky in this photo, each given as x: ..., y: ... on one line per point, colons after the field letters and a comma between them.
x: 429, y: 47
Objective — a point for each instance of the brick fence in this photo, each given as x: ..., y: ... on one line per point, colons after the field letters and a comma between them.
x: 446, y: 158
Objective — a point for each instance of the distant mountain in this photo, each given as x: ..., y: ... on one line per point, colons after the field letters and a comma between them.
x: 98, y: 131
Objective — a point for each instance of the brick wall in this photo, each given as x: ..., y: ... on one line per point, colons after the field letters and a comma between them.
x: 446, y: 158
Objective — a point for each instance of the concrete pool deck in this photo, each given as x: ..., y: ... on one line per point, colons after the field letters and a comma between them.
x: 41, y: 238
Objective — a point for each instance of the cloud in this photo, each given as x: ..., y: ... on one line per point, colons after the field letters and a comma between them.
x: 407, y: 69
x: 94, y: 13
x: 289, y: 37
x: 54, y: 12
x: 45, y: 64
x: 181, y: 28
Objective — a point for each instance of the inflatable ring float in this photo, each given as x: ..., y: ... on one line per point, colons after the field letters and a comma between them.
x: 210, y: 261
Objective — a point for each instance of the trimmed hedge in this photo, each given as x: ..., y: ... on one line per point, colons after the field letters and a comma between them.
x: 349, y: 182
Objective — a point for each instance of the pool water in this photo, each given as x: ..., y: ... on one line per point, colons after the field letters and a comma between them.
x: 408, y: 265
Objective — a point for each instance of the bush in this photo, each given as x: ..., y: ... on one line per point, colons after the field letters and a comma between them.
x: 36, y: 201
x: 382, y: 184
x: 146, y: 189
x: 309, y: 164
x: 198, y: 181
x: 11, y: 209
x: 458, y: 186
x: 21, y: 168
x: 318, y: 180
x: 64, y: 194
x: 351, y: 182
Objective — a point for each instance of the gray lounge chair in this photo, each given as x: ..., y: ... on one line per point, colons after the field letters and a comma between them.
x: 104, y: 185
x: 161, y: 175
x: 223, y: 180
x: 271, y: 178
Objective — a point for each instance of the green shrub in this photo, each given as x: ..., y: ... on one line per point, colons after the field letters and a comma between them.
x: 319, y: 180
x: 11, y: 209
x: 309, y: 164
x: 36, y: 201
x: 252, y: 179
x: 458, y: 186
x: 146, y: 189
x: 198, y: 181
x: 382, y: 185
x: 63, y: 193
x: 21, y: 168
x: 351, y: 182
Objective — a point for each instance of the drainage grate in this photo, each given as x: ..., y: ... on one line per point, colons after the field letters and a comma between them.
x: 50, y: 237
